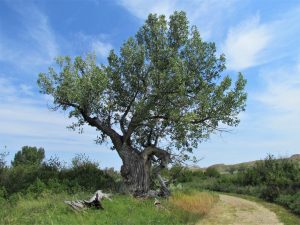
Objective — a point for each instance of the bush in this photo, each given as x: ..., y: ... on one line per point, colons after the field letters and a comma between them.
x: 88, y: 175
x: 28, y: 174
x: 212, y: 172
x: 37, y: 188
x: 3, y: 195
x: 295, y: 204
x: 270, y: 192
x: 290, y: 201
x: 29, y: 156
x: 19, y: 178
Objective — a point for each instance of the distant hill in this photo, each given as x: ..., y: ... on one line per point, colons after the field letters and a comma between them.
x: 295, y: 157
x: 223, y: 168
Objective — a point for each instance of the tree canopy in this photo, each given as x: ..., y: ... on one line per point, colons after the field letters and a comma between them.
x: 165, y: 85
x: 29, y: 156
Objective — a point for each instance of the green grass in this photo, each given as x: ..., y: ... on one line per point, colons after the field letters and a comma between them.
x: 285, y: 216
x: 123, y: 210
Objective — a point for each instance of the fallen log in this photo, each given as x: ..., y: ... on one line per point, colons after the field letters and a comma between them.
x: 93, y: 202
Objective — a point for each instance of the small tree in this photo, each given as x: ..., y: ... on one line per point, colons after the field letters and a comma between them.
x: 164, y: 88
x: 29, y: 156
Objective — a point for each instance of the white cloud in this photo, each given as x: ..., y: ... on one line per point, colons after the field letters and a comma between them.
x: 208, y: 15
x: 100, y: 48
x: 245, y: 44
x: 6, y: 88
x: 93, y: 43
x: 141, y: 9
x: 271, y: 124
x: 25, y: 117
x: 252, y: 42
x: 26, y: 120
x: 35, y: 44
x: 282, y: 89
x: 42, y: 34
x: 26, y: 89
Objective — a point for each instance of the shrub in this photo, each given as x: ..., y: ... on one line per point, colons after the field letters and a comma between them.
x: 29, y: 175
x: 29, y: 156
x: 37, y: 188
x: 87, y: 175
x: 290, y: 201
x: 19, y: 178
x: 56, y: 186
x: 295, y: 204
x: 212, y: 172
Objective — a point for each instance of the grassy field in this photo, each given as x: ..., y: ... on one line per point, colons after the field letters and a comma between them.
x: 123, y: 210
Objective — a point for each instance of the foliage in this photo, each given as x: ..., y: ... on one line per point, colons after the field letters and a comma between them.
x: 39, y: 177
x: 212, y: 172
x: 3, y: 172
x: 179, y: 174
x: 29, y: 156
x: 290, y: 201
x: 88, y: 175
x: 37, y: 188
x: 166, y: 82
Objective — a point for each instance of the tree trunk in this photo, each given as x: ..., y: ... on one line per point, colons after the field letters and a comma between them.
x: 136, y: 170
x: 136, y: 174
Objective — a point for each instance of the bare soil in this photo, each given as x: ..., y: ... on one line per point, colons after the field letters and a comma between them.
x: 237, y: 211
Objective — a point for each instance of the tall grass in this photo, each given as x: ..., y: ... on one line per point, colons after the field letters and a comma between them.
x: 197, y: 203
x: 123, y: 210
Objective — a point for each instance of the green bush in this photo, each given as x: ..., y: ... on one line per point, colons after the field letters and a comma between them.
x: 37, y: 188
x: 29, y: 156
x: 29, y: 174
x: 290, y: 201
x: 212, y: 172
x: 19, y: 178
x: 295, y: 204
x: 88, y: 175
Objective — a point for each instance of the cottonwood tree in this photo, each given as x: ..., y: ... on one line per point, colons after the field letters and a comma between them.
x: 162, y: 94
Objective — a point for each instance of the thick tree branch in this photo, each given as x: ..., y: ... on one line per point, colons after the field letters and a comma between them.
x: 161, y: 154
x: 95, y: 122
x: 164, y: 158
x: 199, y: 121
x: 122, y: 120
x: 138, y: 118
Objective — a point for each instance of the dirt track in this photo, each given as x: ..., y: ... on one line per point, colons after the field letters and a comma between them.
x: 237, y: 211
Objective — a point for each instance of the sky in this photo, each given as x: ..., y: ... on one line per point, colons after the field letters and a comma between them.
x: 259, y: 38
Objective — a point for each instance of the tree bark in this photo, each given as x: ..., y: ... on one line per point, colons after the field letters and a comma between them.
x: 136, y: 170
x: 136, y: 173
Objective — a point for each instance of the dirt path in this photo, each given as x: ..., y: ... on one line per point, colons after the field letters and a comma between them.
x: 237, y: 211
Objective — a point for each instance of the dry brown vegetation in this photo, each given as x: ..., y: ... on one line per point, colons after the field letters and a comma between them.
x: 198, y: 203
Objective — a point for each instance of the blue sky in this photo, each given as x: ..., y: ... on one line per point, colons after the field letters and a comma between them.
x: 259, y: 38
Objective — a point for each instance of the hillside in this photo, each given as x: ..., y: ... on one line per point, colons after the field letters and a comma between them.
x: 231, y: 168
